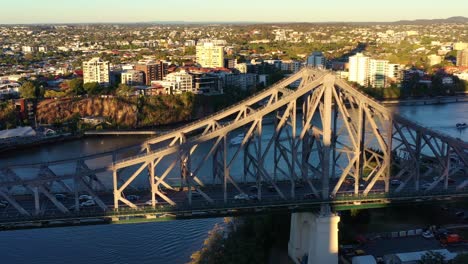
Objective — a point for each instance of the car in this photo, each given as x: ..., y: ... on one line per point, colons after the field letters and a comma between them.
x: 133, y: 197
x: 253, y: 197
x: 88, y: 203
x: 60, y: 196
x: 241, y: 196
x: 150, y: 202
x: 460, y: 213
x: 349, y: 180
x: 299, y: 185
x: 195, y: 194
x: 253, y: 189
x: 395, y: 182
x: 425, y: 186
x: 427, y: 234
x: 85, y: 197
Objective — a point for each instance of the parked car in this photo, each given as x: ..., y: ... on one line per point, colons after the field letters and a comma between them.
x: 241, y: 196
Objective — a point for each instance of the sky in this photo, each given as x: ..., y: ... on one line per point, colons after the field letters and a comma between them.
x: 90, y: 11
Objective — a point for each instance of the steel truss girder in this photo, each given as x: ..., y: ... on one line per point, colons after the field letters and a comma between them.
x: 341, y: 134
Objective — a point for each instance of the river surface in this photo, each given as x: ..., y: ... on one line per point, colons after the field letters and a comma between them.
x: 162, y: 242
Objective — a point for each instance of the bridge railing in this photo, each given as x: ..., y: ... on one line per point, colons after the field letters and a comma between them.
x: 219, y: 205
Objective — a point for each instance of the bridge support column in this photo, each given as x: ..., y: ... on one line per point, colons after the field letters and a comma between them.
x: 315, y: 236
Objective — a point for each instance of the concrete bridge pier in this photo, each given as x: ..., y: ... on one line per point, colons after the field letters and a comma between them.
x: 315, y: 235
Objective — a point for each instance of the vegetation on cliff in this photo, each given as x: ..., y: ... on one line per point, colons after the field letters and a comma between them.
x: 8, y: 117
x: 244, y: 240
x: 116, y: 111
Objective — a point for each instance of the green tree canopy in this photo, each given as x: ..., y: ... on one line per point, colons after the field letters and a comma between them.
x: 93, y: 88
x: 29, y: 90
x: 124, y: 90
x: 432, y: 257
x: 460, y: 259
x: 75, y: 86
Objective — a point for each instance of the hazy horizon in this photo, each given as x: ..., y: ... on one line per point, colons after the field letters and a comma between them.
x: 222, y: 11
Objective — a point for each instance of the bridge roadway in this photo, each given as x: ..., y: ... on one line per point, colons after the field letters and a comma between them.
x: 270, y: 202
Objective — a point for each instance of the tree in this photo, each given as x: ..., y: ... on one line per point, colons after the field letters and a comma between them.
x: 432, y: 257
x: 93, y: 88
x: 29, y: 91
x: 75, y: 86
x: 460, y: 259
x: 52, y: 94
x: 124, y: 90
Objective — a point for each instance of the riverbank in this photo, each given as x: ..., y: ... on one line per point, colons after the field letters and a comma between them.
x: 30, y: 142
x: 426, y: 100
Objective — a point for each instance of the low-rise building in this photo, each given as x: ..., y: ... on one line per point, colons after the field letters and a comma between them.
x: 176, y: 83
x: 132, y: 77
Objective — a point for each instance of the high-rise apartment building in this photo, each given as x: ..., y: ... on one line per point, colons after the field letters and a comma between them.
x: 359, y: 69
x: 372, y: 72
x: 317, y: 60
x: 96, y: 70
x: 152, y: 71
x: 462, y: 58
x: 210, y: 55
x: 460, y: 46
x: 378, y: 73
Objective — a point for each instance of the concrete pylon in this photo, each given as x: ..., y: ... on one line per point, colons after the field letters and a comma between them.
x: 315, y: 236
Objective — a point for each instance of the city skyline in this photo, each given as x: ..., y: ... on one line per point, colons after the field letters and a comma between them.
x: 141, y: 11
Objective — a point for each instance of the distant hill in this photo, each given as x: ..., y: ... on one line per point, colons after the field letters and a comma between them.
x: 455, y: 19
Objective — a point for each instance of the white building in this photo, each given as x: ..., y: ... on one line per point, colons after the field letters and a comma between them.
x: 241, y: 67
x: 96, y: 70
x: 317, y: 60
x: 176, y: 83
x: 359, y: 69
x: 378, y: 73
x: 210, y: 55
x: 132, y: 77
x: 29, y: 49
x: 434, y: 59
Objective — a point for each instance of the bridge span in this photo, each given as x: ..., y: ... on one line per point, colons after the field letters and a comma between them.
x: 325, y: 144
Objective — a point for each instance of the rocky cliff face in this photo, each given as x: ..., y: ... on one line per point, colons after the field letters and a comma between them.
x: 121, y: 112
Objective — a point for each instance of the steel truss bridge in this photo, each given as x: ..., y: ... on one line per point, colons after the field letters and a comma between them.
x: 322, y: 143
